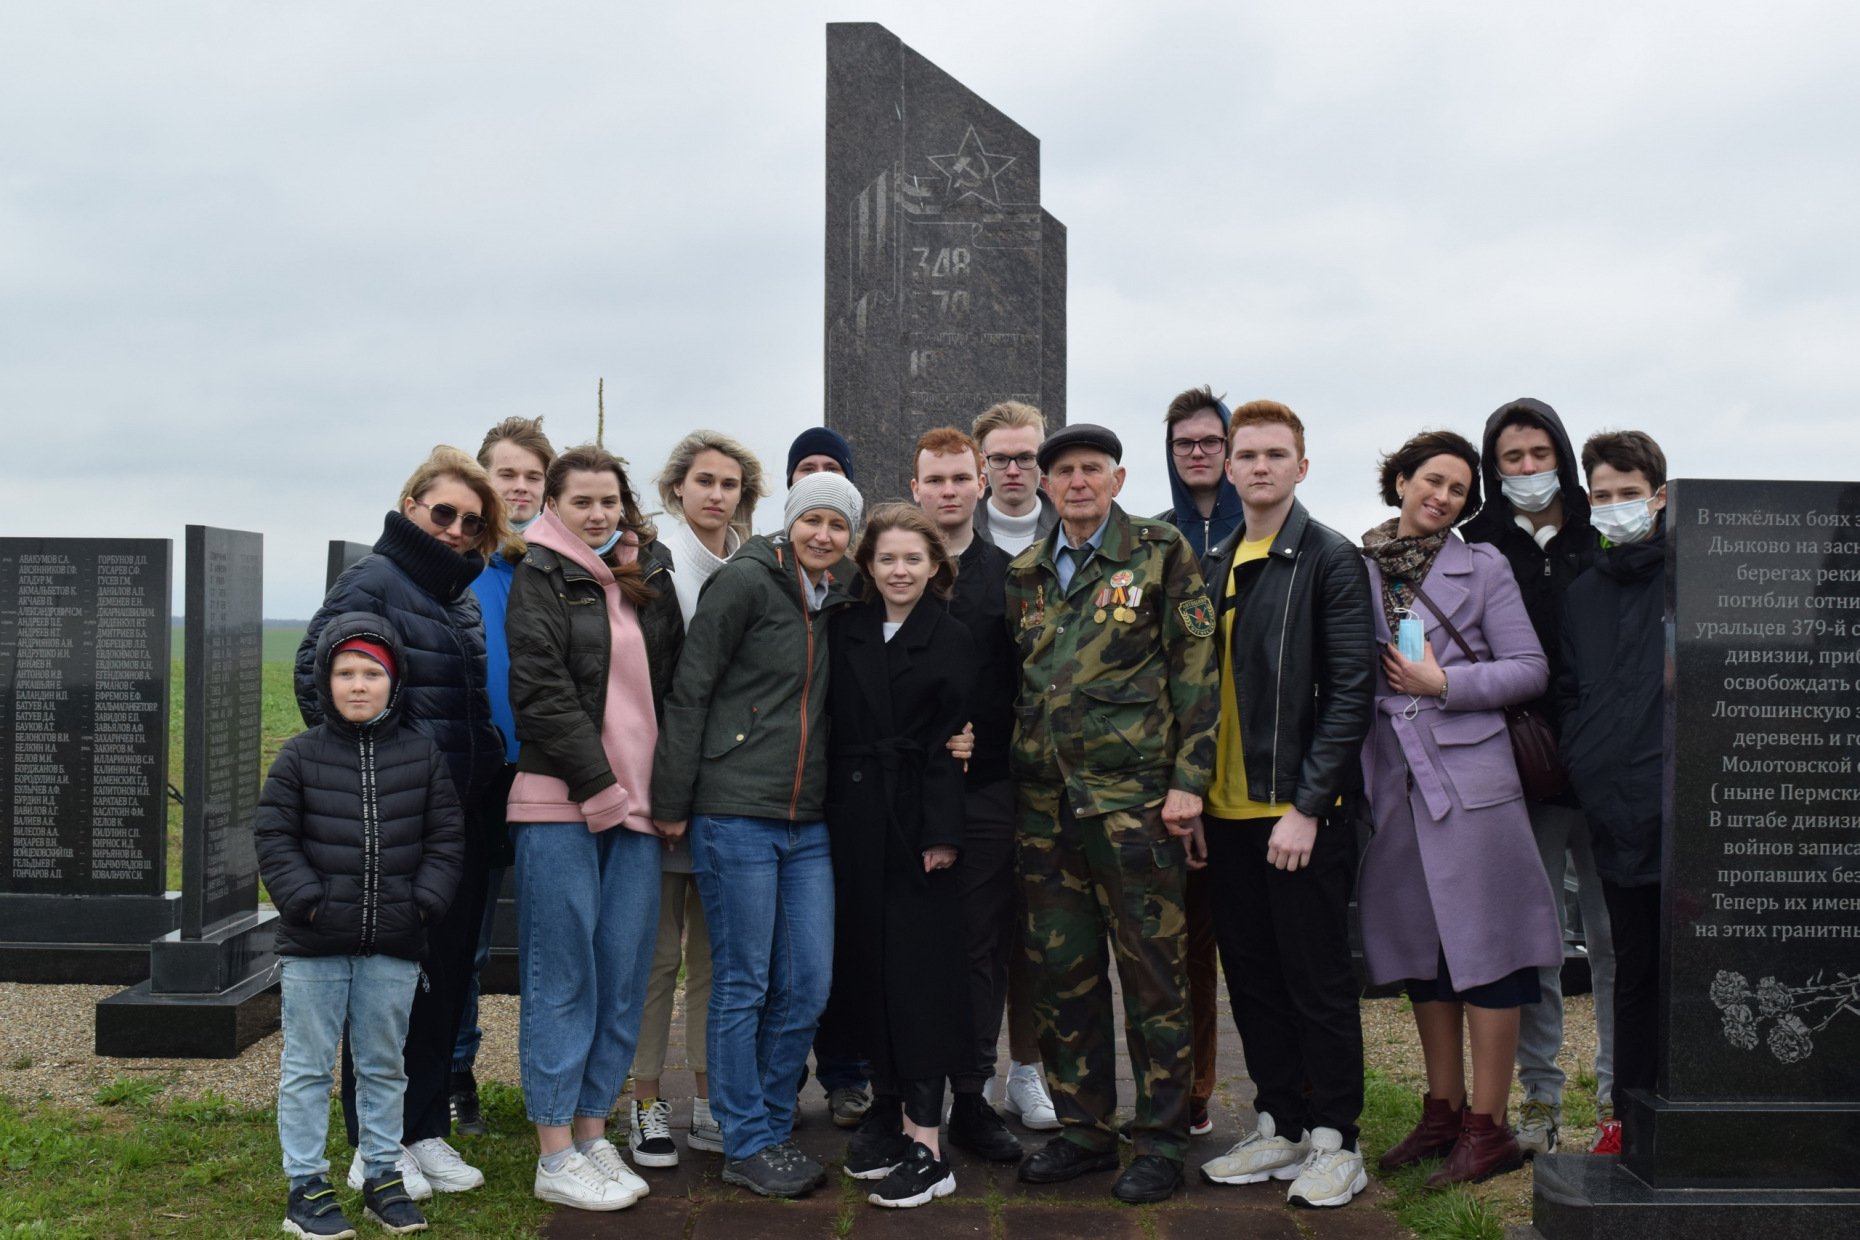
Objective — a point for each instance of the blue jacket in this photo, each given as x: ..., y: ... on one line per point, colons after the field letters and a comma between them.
x: 1204, y: 534
x: 493, y: 590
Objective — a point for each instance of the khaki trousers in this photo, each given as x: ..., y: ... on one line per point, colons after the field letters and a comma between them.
x: 681, y: 936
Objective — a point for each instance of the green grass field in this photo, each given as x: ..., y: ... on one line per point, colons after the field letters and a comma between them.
x: 280, y: 644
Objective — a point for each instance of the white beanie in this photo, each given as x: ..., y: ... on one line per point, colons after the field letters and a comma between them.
x: 822, y: 490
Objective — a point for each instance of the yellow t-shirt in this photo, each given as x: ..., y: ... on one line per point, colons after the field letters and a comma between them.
x: 1227, y: 791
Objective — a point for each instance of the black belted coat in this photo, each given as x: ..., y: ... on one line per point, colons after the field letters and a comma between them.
x: 900, y: 957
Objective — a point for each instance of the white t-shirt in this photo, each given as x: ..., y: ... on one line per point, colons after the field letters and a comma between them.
x: 1012, y: 534
x: 891, y: 630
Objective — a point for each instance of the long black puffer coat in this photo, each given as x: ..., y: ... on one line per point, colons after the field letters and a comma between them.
x: 360, y: 839
x: 423, y: 588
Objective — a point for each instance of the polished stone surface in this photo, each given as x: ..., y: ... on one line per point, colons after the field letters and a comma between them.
x: 135, y: 1024
x: 945, y: 278
x: 1592, y: 1197
x: 219, y: 960
x: 342, y: 554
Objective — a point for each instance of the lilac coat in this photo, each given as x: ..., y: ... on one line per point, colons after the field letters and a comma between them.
x: 1453, y: 863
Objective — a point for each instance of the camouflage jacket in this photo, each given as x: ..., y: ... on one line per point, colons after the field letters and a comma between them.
x: 1119, y: 676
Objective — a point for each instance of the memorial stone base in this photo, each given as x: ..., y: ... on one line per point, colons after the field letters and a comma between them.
x: 1595, y: 1197
x: 205, y: 998
x: 84, y: 940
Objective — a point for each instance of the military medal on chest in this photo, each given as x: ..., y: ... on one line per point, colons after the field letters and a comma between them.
x: 1121, y: 595
x: 1033, y: 615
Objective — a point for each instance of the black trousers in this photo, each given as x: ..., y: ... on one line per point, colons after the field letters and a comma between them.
x: 438, y: 1003
x: 1634, y: 922
x: 1285, y: 947
x: 989, y: 890
x: 922, y: 1099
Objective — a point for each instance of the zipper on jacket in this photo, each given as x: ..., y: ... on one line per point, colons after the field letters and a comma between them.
x: 807, y: 688
x: 371, y: 845
x: 1278, y: 685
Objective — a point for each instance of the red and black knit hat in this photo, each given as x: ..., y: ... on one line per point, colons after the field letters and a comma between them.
x: 374, y: 650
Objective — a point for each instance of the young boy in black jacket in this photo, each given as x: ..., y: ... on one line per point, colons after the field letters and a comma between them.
x: 360, y: 842
x: 1612, y: 688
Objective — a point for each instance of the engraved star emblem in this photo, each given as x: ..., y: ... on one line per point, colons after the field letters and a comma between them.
x: 972, y: 170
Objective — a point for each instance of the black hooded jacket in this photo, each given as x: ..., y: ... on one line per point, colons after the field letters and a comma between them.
x: 1613, y: 691
x: 423, y: 588
x: 359, y: 835
x: 1544, y: 574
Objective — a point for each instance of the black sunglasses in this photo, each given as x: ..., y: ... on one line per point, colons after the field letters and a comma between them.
x: 445, y: 514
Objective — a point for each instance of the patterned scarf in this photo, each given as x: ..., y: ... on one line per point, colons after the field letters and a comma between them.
x: 1403, y: 561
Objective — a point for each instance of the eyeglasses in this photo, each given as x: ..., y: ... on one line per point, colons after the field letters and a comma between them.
x: 1000, y: 460
x: 445, y: 515
x: 1213, y: 445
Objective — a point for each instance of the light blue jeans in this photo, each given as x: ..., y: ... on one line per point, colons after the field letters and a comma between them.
x: 1563, y: 833
x: 587, y: 912
x: 373, y: 995
x: 767, y: 887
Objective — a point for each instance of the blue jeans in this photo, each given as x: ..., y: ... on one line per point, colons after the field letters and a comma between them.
x: 373, y: 995
x: 465, y: 1050
x: 587, y: 907
x: 767, y: 888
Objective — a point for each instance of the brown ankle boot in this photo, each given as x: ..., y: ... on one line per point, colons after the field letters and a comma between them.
x: 1439, y: 1128
x: 1486, y: 1148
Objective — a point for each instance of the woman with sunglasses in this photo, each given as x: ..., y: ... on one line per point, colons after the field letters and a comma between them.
x: 432, y: 547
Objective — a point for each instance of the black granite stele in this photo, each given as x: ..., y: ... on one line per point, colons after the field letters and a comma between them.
x: 342, y: 555
x: 84, y: 669
x: 209, y: 979
x: 946, y: 280
x: 1757, y: 1107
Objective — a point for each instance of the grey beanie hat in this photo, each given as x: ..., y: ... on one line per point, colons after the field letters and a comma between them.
x: 822, y: 490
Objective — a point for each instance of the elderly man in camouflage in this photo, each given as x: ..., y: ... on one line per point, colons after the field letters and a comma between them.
x: 1113, y: 746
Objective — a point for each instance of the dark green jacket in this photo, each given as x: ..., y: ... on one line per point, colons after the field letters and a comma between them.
x: 745, y: 729
x: 560, y: 647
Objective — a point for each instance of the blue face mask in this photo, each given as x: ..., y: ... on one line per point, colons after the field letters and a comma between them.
x: 520, y: 526
x: 610, y: 544
x: 1623, y: 523
x: 1530, y: 492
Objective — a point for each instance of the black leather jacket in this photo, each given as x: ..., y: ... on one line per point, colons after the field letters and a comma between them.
x: 1304, y: 660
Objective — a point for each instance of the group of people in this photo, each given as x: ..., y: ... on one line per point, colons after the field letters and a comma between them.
x: 874, y: 781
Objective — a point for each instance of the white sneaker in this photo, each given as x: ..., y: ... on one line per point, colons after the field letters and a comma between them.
x: 443, y: 1168
x: 1259, y: 1156
x: 1331, y: 1176
x: 411, y: 1177
x: 581, y: 1184
x: 650, y: 1137
x: 608, y: 1161
x: 1539, y: 1124
x: 706, y: 1133
x: 1027, y: 1098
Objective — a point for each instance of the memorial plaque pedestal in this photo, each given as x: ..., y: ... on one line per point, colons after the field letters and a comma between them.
x: 1752, y: 1128
x: 212, y: 984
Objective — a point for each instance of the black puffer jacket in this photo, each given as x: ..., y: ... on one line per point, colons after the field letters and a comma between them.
x: 1545, y: 573
x: 359, y: 835
x: 423, y: 588
x: 1613, y: 690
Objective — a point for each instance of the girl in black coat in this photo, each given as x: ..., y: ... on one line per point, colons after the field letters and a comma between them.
x: 419, y: 579
x: 903, y: 674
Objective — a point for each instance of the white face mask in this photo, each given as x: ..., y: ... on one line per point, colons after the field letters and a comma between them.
x: 1622, y: 523
x: 1530, y: 492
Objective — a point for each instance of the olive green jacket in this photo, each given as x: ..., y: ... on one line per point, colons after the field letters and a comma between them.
x: 1119, y: 702
x: 745, y: 727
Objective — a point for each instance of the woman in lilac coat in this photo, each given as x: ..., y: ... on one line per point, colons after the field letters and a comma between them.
x: 1455, y: 902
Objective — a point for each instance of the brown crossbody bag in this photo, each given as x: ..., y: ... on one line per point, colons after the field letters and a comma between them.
x: 1533, y: 743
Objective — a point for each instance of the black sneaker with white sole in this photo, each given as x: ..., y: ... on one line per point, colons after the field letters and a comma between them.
x: 880, y: 1143
x: 920, y: 1179
x: 385, y: 1201
x: 651, y: 1136
x: 772, y: 1172
x: 314, y: 1212
x: 467, y: 1115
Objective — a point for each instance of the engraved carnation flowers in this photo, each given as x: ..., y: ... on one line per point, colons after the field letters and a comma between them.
x: 1789, y: 1040
x: 1791, y: 1037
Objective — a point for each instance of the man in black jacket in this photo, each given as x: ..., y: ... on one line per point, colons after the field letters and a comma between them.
x: 1297, y: 695
x: 1538, y: 517
x: 1612, y: 690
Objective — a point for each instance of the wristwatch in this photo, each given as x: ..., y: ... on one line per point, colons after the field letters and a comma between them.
x: 1443, y: 687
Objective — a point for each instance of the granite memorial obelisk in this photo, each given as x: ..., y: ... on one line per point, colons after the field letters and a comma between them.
x: 946, y: 279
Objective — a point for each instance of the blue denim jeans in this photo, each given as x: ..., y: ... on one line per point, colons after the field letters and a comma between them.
x: 587, y: 907
x: 373, y: 995
x: 471, y: 1037
x: 767, y: 887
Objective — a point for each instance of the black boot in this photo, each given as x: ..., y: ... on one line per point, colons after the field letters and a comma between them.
x: 1149, y: 1178
x: 976, y: 1127
x: 1060, y: 1160
x: 467, y: 1119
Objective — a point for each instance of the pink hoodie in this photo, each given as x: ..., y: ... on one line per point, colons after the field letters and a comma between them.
x: 629, y: 729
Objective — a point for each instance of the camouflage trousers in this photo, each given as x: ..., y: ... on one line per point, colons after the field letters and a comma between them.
x: 1117, y: 876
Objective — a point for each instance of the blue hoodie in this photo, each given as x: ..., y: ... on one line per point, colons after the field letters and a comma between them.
x: 1203, y: 533
x: 492, y: 586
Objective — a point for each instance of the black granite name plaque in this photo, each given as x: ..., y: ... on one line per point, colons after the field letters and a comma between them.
x: 343, y: 555
x: 84, y: 671
x: 224, y: 675
x: 946, y: 287
x: 1762, y: 886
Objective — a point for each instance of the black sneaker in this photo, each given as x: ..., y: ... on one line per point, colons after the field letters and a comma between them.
x: 976, y: 1127
x: 313, y: 1211
x: 880, y: 1143
x: 921, y: 1178
x: 772, y: 1172
x: 1060, y: 1160
x: 467, y: 1118
x: 804, y: 1160
x: 385, y: 1201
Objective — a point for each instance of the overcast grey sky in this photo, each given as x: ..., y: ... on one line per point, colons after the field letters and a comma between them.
x: 256, y: 259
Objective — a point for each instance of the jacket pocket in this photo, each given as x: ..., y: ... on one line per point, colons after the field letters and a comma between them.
x: 726, y: 730
x: 1122, y: 723
x: 1475, y: 754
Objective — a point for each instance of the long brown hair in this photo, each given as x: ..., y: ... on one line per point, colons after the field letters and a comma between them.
x: 905, y: 517
x: 446, y: 461
x: 593, y: 459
